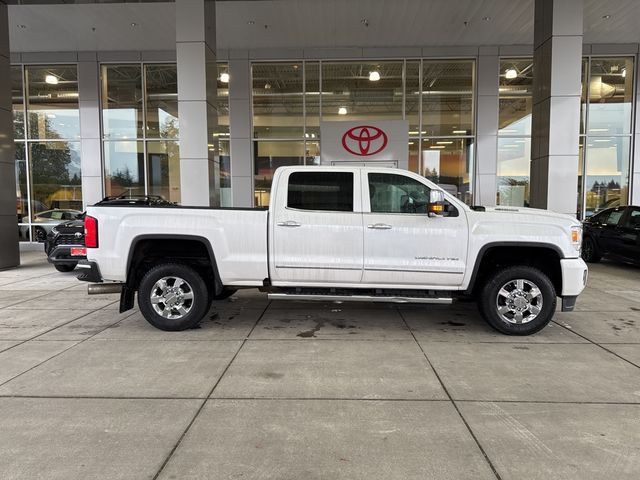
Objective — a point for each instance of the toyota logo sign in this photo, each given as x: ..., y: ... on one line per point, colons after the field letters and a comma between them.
x: 364, y: 140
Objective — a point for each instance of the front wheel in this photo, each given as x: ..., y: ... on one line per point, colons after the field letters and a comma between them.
x: 518, y: 300
x: 173, y: 297
x: 590, y: 252
x: 65, y: 267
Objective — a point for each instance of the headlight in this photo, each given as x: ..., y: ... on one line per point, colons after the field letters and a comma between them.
x: 576, y: 237
x: 54, y: 230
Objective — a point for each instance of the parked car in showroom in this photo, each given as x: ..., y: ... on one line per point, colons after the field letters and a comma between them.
x: 64, y: 244
x: 50, y: 218
x: 613, y: 233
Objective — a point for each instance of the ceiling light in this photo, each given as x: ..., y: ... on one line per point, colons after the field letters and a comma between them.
x: 459, y: 131
x: 374, y: 76
x: 437, y: 146
x: 624, y: 73
x: 224, y: 77
x: 342, y: 111
x: 134, y: 24
x: 251, y: 22
x: 443, y: 142
x: 602, y: 140
x: 51, y: 79
x: 267, y: 86
x: 486, y: 19
x: 365, y: 22
x: 511, y: 73
x: 606, y: 17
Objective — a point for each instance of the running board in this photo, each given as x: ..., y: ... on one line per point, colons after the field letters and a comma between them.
x: 359, y: 298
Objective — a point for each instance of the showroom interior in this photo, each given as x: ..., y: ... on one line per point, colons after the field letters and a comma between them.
x: 200, y: 101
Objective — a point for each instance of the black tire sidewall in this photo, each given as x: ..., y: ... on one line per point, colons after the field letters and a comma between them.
x: 201, y: 300
x: 487, y: 301
x: 595, y: 256
x: 65, y: 267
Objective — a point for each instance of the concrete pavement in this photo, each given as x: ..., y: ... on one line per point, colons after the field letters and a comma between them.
x: 287, y: 390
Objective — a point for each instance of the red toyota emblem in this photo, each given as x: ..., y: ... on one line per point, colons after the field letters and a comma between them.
x: 364, y: 140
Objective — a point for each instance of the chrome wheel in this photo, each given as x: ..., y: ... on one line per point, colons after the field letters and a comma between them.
x: 172, y: 297
x: 519, y: 301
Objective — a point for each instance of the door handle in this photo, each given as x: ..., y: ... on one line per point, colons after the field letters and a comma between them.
x: 379, y: 226
x: 288, y: 223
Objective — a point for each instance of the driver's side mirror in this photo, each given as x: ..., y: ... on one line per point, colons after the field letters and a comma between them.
x: 436, y: 203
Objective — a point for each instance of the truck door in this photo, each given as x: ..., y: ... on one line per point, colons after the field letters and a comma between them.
x: 317, y: 228
x: 403, y: 245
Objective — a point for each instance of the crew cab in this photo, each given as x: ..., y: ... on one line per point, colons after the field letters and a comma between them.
x: 339, y: 234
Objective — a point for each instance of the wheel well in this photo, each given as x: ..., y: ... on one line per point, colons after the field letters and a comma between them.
x: 544, y: 259
x: 149, y: 252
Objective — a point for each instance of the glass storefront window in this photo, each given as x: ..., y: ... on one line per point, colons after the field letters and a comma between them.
x: 515, y: 96
x: 17, y: 100
x: 163, y: 169
x: 412, y: 96
x: 278, y: 100
x: 414, y: 155
x: 52, y: 102
x: 350, y: 90
x: 514, y: 165
x: 607, y: 173
x: 161, y: 83
x: 22, y: 193
x: 122, y: 101
x: 312, y: 99
x: 56, y: 185
x: 447, y: 97
x: 268, y: 156
x: 124, y: 168
x: 222, y: 98
x: 610, y: 96
x: 224, y: 155
x: 449, y: 163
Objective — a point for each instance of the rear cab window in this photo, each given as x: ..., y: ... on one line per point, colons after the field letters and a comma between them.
x: 322, y: 191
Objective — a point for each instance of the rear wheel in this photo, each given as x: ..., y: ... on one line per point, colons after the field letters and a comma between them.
x: 590, y: 251
x: 518, y: 300
x: 173, y: 297
x: 65, y: 267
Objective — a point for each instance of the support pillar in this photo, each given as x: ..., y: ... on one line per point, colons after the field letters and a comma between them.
x: 89, y: 101
x: 487, y: 124
x: 556, y: 104
x: 197, y: 88
x: 240, y: 129
x: 9, y: 251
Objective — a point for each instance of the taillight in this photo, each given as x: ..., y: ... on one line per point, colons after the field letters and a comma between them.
x: 90, y: 232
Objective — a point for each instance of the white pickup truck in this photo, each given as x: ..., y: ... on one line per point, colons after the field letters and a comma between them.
x: 339, y: 234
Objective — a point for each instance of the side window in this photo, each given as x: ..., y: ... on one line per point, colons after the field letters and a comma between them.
x: 613, y: 218
x: 45, y: 215
x: 392, y: 193
x: 328, y: 191
x: 634, y: 219
x: 56, y: 215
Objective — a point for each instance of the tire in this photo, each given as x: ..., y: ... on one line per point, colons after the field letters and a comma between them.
x: 173, y: 297
x: 65, y: 267
x: 226, y: 293
x: 509, y: 290
x: 40, y: 234
x: 590, y: 253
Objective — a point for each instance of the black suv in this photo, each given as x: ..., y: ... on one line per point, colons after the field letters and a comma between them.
x: 614, y: 233
x: 64, y: 244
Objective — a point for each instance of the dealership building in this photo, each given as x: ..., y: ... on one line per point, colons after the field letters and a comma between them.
x: 502, y: 102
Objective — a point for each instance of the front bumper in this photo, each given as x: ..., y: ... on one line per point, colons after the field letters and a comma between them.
x: 574, y: 276
x: 62, y: 254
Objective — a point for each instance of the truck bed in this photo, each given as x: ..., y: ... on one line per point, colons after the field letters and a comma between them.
x: 238, y: 236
